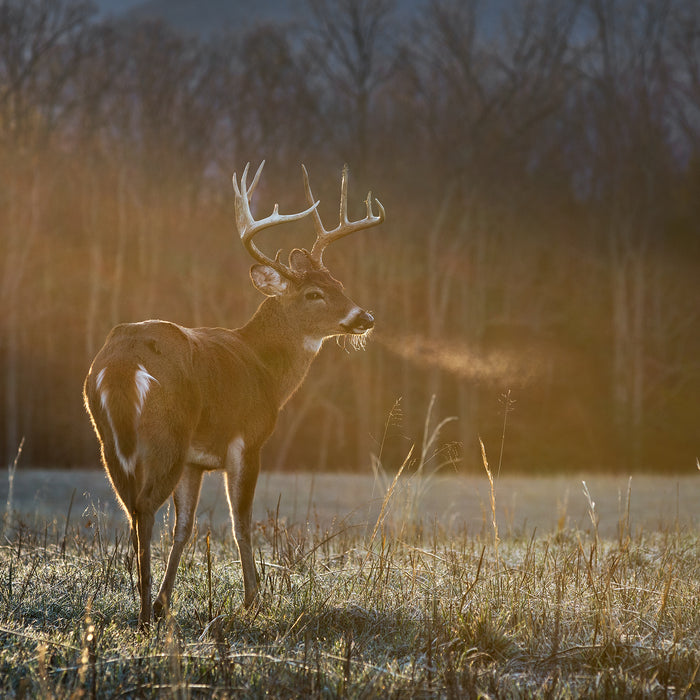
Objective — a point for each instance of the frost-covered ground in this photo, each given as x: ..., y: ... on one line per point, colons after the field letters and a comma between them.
x: 458, y: 503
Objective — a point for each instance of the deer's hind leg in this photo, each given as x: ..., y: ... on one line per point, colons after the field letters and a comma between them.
x: 185, y: 497
x: 158, y: 471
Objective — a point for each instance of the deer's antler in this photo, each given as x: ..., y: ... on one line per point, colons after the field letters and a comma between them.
x: 248, y: 227
x: 345, y: 227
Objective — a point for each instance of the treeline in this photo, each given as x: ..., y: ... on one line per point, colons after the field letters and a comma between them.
x: 538, y: 270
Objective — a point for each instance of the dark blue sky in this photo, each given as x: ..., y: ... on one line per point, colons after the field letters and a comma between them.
x: 206, y: 15
x: 115, y: 6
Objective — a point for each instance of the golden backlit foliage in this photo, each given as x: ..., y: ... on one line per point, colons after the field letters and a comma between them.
x: 540, y: 180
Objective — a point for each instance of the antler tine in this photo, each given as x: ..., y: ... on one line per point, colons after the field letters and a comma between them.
x: 253, y: 184
x: 343, y: 217
x: 248, y: 227
x: 315, y: 216
x: 382, y: 212
x: 345, y: 227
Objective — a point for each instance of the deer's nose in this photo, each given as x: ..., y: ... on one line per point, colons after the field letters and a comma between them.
x: 365, y: 321
x: 357, y: 322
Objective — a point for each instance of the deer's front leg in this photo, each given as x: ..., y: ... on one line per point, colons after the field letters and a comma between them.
x: 242, y: 467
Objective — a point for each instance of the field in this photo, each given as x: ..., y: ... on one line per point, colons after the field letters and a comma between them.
x: 371, y: 588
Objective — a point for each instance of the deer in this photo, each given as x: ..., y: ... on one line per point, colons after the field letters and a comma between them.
x: 169, y: 403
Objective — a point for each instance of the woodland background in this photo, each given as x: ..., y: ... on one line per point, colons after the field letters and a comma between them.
x: 541, y: 255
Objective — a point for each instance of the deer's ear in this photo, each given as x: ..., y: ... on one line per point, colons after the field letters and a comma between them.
x: 268, y: 281
x: 300, y: 261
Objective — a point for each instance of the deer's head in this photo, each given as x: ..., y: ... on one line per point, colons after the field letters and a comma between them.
x: 310, y: 295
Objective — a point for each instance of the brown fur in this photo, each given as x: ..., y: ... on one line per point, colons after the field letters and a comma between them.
x: 211, y: 388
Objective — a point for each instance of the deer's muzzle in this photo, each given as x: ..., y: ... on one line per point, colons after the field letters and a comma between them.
x: 358, y: 322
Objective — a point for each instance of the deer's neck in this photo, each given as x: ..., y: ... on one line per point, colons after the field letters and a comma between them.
x: 283, y: 349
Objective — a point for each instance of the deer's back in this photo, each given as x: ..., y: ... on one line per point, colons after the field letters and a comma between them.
x: 203, y: 386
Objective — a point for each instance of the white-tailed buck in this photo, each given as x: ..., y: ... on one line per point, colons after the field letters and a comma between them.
x: 169, y: 403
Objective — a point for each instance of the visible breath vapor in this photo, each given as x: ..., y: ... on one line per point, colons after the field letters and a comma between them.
x: 464, y: 361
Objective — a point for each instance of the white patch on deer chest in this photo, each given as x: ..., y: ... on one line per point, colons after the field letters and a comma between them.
x: 312, y: 345
x: 143, y: 383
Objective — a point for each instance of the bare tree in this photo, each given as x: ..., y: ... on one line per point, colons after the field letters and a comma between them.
x: 271, y: 88
x: 39, y: 49
x: 627, y: 103
x: 352, y: 55
x: 685, y: 52
x: 485, y: 111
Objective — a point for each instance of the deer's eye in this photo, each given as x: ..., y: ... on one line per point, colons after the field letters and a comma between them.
x: 313, y: 295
